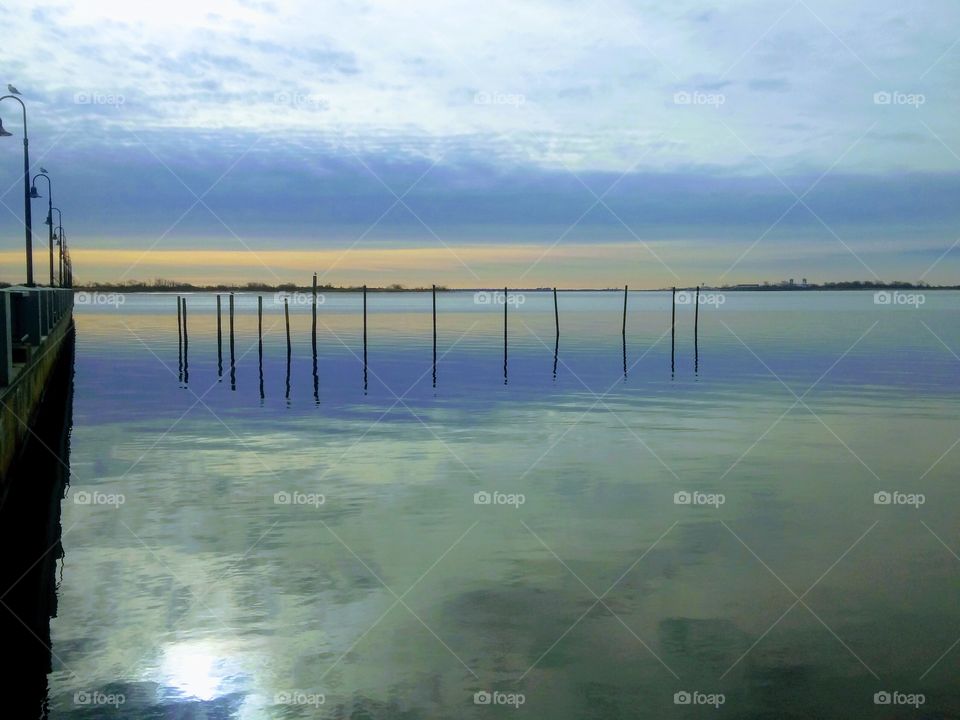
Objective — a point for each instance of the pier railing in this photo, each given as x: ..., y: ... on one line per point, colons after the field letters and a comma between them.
x: 28, y: 316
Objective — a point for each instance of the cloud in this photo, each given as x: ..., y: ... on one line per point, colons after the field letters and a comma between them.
x: 511, y: 113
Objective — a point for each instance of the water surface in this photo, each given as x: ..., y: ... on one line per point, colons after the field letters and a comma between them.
x: 205, y: 594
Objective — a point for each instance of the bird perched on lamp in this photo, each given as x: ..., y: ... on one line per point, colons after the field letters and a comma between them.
x: 12, y: 89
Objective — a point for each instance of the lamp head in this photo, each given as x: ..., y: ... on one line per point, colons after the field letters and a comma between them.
x: 34, y: 194
x: 4, y: 133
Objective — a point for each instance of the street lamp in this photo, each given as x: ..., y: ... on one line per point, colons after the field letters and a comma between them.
x: 60, y: 241
x: 49, y: 221
x: 26, y: 186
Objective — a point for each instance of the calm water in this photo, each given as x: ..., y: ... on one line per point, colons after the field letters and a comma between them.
x: 201, y: 593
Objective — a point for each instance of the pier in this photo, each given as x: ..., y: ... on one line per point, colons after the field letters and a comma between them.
x: 35, y: 323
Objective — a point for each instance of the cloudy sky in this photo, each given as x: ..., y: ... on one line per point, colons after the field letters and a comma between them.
x: 591, y: 143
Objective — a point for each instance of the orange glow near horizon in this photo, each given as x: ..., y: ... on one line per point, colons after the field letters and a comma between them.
x: 565, y: 266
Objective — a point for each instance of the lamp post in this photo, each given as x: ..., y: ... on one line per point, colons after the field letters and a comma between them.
x: 49, y: 222
x: 60, y: 242
x: 26, y: 186
x: 67, y: 266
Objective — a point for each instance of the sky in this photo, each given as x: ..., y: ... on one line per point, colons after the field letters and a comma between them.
x: 595, y: 143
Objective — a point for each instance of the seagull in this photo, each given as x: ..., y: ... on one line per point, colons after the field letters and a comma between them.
x: 12, y: 89
x: 43, y: 170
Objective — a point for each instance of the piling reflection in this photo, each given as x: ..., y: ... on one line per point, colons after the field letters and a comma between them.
x: 31, y: 526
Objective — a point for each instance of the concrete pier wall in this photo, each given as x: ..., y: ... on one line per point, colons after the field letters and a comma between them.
x: 33, y: 325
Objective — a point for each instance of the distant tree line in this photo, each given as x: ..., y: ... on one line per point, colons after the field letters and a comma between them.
x: 165, y: 285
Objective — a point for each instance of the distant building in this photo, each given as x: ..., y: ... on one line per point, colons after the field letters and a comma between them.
x: 791, y: 282
x: 804, y: 282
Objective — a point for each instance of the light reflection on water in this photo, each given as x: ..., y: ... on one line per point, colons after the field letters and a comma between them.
x: 201, y: 596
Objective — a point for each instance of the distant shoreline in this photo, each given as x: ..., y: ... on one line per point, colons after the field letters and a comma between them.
x: 249, y: 288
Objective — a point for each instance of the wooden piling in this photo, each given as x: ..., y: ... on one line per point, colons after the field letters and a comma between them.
x: 364, y: 339
x: 696, y: 331
x: 434, y: 335
x: 624, y: 329
x: 260, y: 340
x: 179, y: 341
x: 556, y: 343
x: 673, y: 326
x: 233, y: 369
x: 219, y: 340
x: 313, y: 330
x: 186, y: 345
x: 286, y: 317
x: 505, y: 298
x: 556, y: 312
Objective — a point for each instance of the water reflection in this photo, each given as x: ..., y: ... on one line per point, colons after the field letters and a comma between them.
x: 212, y: 592
x: 30, y: 536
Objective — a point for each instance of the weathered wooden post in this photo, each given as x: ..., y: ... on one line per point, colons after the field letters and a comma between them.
x: 219, y: 340
x: 673, y: 326
x: 556, y: 312
x: 286, y: 316
x: 505, y: 296
x: 260, y: 340
x: 313, y: 331
x: 696, y: 331
x: 364, y: 338
x: 233, y: 367
x: 623, y: 331
x: 556, y: 344
x: 179, y: 340
x: 186, y: 345
x: 179, y: 323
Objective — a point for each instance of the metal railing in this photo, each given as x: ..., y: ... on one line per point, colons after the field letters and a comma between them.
x: 28, y: 315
